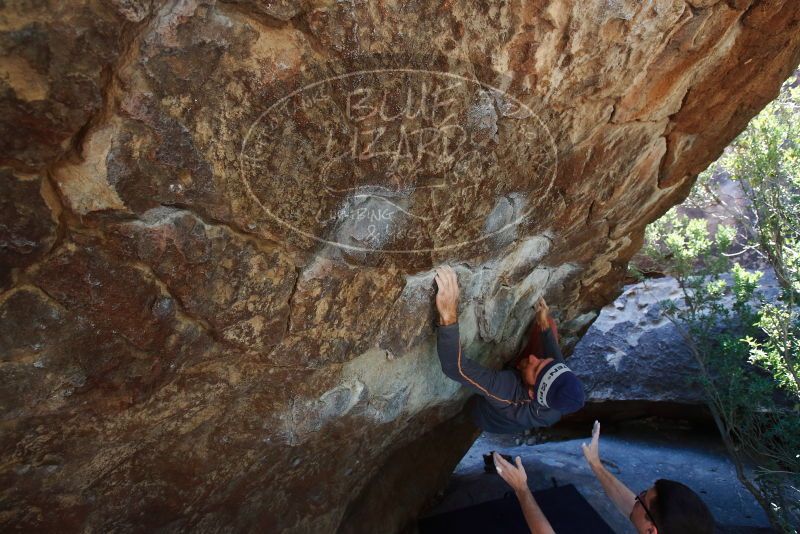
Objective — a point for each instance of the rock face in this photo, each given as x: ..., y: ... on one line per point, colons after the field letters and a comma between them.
x: 633, y: 353
x: 220, y: 220
x: 634, y: 361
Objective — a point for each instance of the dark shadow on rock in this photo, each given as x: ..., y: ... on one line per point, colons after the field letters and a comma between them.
x: 410, y: 479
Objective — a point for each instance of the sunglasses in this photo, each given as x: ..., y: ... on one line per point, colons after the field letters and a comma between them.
x: 640, y: 500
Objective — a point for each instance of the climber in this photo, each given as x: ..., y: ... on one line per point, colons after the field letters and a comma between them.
x: 536, y: 394
x: 664, y: 508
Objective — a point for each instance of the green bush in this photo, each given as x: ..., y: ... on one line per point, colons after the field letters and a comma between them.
x: 747, y: 347
x: 739, y: 341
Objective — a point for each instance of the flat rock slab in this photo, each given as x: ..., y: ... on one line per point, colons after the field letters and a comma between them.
x: 636, y: 458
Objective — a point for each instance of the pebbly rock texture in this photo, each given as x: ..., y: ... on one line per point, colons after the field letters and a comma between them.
x: 634, y: 361
x: 633, y: 353
x: 219, y: 222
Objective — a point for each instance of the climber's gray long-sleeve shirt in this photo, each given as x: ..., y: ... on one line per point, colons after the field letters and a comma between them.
x: 504, y: 405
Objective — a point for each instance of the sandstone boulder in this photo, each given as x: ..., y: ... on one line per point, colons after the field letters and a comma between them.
x: 220, y: 220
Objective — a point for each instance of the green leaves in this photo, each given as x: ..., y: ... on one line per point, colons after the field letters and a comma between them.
x: 777, y: 351
x: 744, y: 284
x: 765, y: 161
x: 748, y: 348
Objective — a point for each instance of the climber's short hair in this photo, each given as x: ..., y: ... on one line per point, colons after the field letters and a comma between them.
x: 677, y: 509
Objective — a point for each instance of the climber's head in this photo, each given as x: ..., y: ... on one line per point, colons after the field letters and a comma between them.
x: 530, y: 367
x: 554, y: 384
x: 669, y: 506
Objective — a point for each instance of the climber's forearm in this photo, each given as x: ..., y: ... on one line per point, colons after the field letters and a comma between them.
x: 550, y: 345
x: 448, y: 318
x: 497, y: 386
x: 447, y: 346
x: 455, y: 365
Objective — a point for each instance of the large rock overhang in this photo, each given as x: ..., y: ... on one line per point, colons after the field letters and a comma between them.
x: 216, y: 301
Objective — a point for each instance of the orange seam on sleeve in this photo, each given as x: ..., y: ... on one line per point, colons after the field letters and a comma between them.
x: 468, y: 379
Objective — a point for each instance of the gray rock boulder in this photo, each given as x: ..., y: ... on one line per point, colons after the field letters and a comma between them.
x: 632, y: 352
